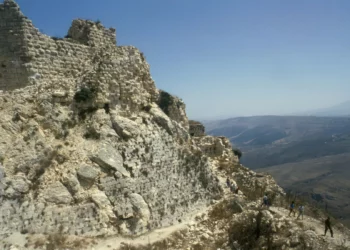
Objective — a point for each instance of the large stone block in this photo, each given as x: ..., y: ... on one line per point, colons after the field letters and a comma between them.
x: 109, y: 158
x: 87, y: 174
x: 57, y: 193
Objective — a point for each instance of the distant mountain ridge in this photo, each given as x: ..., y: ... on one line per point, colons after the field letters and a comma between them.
x: 270, y: 140
x: 342, y: 109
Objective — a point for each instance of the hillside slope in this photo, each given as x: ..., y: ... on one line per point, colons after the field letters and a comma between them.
x: 273, y: 140
x: 324, y: 179
x: 306, y: 155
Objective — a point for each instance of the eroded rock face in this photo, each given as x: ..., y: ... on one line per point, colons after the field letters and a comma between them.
x: 83, y: 139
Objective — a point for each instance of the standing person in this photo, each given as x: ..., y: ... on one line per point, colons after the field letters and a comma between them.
x: 327, y: 225
x: 301, y: 212
x: 228, y: 182
x: 291, y: 209
x: 233, y: 186
x: 265, y: 201
x: 237, y: 190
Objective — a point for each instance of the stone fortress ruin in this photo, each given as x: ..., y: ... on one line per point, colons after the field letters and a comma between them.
x: 87, y: 55
x: 196, y: 128
x: 88, y: 143
x: 90, y: 149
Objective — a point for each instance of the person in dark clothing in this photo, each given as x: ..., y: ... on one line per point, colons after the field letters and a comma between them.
x: 327, y: 225
x: 265, y: 201
x: 291, y: 209
x: 301, y: 212
x: 228, y: 182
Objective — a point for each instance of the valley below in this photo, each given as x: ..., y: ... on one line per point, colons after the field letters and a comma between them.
x: 307, y: 155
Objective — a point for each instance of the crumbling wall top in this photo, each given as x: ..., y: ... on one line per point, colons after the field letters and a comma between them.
x: 91, y: 33
x: 196, y: 128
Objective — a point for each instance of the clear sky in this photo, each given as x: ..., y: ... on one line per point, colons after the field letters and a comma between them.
x: 227, y: 57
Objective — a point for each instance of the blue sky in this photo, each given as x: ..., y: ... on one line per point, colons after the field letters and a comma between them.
x: 229, y: 57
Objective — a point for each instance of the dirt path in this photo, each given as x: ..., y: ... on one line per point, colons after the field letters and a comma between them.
x: 151, y: 237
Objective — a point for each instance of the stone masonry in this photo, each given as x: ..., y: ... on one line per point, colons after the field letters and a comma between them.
x: 87, y: 141
x: 196, y: 128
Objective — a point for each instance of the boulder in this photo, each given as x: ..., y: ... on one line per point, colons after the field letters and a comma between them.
x: 57, y: 193
x: 87, y: 174
x: 100, y: 199
x: 72, y: 183
x: 236, y: 207
x: 140, y: 206
x: 20, y: 184
x: 161, y: 119
x: 109, y: 158
x: 125, y: 127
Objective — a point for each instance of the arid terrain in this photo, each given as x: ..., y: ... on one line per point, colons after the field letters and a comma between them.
x: 307, y: 155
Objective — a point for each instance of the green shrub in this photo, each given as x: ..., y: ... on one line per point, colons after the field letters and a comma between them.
x: 85, y: 94
x: 165, y: 100
x: 237, y: 152
x: 56, y: 38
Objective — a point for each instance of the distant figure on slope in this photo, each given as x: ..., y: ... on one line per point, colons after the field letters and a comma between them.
x: 291, y: 209
x: 237, y: 190
x: 228, y: 182
x: 265, y: 201
x: 301, y: 212
x: 327, y: 225
x: 233, y: 187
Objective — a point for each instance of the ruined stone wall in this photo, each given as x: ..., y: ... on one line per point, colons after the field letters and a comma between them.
x: 173, y: 107
x: 87, y: 56
x: 196, y: 129
x: 128, y: 169
x: 147, y: 181
x: 13, y: 52
x: 215, y: 146
x: 91, y: 33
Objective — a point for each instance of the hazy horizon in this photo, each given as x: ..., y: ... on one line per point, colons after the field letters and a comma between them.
x: 227, y: 58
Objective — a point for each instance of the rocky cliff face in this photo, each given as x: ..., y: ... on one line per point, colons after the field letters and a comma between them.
x: 90, y: 147
x: 85, y: 146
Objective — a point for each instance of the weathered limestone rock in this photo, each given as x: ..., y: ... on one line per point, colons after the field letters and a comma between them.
x: 174, y: 108
x: 125, y: 127
x: 196, y: 128
x: 72, y: 183
x: 2, y: 177
x: 215, y: 146
x: 58, y: 194
x: 140, y: 207
x: 87, y: 173
x: 100, y: 199
x: 69, y: 103
x: 20, y: 184
x: 162, y: 119
x: 109, y: 158
x: 237, y: 207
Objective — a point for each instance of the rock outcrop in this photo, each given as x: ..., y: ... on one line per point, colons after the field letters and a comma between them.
x: 87, y: 141
x: 90, y: 147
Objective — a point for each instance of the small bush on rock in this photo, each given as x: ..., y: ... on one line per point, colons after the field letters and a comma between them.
x: 85, y: 94
x: 165, y: 100
x: 237, y: 152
